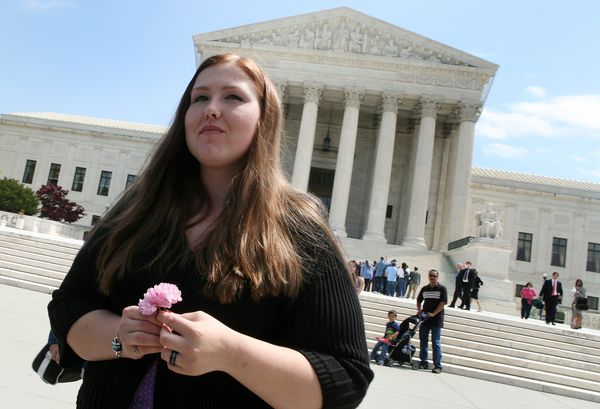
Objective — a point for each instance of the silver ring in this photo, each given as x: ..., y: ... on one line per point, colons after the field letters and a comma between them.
x: 173, y: 357
x: 136, y: 350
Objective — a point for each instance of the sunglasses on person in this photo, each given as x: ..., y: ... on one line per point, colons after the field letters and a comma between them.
x: 432, y: 276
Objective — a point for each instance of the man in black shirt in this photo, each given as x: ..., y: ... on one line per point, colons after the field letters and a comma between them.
x: 431, y: 301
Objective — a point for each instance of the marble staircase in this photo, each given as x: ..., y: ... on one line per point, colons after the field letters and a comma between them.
x: 32, y: 261
x: 504, y: 349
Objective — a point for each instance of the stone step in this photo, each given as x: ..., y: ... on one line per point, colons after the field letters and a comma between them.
x: 25, y: 261
x: 521, y: 372
x: 46, y: 281
x: 52, y: 254
x: 542, y: 386
x: 32, y: 271
x: 35, y: 240
x: 28, y: 285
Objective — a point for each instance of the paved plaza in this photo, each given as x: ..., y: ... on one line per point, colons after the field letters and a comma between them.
x: 25, y: 328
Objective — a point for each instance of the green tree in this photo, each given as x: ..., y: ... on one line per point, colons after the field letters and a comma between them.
x: 14, y: 197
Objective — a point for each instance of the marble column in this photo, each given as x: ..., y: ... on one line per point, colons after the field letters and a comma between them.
x: 345, y: 159
x: 462, y: 158
x: 306, y: 136
x: 382, y: 171
x: 418, y: 186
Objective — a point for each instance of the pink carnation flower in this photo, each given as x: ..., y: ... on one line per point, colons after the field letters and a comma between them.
x: 163, y: 295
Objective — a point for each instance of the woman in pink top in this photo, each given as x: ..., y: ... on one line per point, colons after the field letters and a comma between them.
x: 527, y: 295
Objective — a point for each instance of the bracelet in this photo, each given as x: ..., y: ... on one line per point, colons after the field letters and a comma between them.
x: 117, y: 347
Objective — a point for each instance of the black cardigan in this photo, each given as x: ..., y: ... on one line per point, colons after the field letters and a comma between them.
x: 324, y: 323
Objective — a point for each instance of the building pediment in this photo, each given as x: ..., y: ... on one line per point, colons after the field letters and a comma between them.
x: 341, y: 33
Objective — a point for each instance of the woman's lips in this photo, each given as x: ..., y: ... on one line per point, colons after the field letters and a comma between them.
x: 210, y: 129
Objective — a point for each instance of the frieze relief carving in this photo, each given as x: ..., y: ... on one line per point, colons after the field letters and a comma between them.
x: 343, y: 35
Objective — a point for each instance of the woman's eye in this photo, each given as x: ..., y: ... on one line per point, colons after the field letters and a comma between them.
x: 199, y: 98
x: 234, y: 97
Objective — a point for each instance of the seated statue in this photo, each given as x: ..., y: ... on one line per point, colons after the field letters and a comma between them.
x: 489, y: 223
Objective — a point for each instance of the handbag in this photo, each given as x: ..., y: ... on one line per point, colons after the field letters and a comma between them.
x: 581, y: 303
x: 51, y: 372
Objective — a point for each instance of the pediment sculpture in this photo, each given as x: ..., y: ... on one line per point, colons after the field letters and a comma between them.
x: 343, y: 35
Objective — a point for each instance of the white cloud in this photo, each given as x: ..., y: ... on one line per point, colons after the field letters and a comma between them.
x: 537, y: 92
x: 500, y: 150
x: 559, y: 117
x: 578, y: 159
x: 42, y: 5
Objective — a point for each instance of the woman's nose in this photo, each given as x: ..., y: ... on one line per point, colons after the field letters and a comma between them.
x: 212, y: 111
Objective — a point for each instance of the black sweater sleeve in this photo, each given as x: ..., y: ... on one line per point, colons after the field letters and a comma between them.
x: 77, y: 295
x: 326, y: 325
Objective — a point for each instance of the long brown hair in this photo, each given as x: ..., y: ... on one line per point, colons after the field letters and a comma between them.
x: 254, y: 247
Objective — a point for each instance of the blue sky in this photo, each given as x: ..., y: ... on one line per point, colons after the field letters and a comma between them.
x: 130, y: 60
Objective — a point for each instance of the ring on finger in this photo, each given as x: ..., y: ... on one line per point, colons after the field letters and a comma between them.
x: 173, y: 357
x: 136, y: 350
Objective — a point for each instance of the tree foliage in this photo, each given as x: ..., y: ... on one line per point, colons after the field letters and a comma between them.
x: 15, y: 197
x: 56, y: 206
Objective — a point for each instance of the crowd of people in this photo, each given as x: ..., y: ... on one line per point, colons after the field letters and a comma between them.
x: 386, y: 277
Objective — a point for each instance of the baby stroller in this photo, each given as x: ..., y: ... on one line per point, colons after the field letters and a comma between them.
x: 403, y: 351
x: 539, y: 304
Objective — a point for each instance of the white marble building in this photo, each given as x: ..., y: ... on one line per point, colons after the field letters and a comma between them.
x: 379, y: 124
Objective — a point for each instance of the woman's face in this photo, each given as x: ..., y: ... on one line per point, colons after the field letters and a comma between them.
x: 223, y: 116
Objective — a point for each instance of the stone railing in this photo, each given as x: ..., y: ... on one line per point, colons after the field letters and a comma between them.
x: 44, y: 226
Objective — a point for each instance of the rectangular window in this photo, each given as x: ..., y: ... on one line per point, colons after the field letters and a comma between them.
x: 78, y: 179
x: 53, y: 174
x: 593, y: 257
x: 388, y: 211
x: 524, y: 246
x: 104, y: 183
x: 29, y: 171
x: 518, y: 289
x: 592, y: 302
x: 95, y: 219
x: 130, y: 180
x: 559, y: 252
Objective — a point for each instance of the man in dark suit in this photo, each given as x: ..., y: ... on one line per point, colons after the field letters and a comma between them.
x: 457, y: 285
x: 467, y: 279
x: 552, y: 293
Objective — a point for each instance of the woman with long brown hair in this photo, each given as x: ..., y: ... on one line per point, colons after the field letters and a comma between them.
x: 269, y: 315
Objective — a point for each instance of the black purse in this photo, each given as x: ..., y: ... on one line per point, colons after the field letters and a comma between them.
x: 581, y: 304
x: 51, y: 372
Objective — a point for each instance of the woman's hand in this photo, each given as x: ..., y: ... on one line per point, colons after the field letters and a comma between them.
x: 55, y: 352
x: 203, y: 344
x: 139, y: 334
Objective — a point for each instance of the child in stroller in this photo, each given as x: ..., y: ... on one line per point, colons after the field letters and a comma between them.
x: 403, y: 351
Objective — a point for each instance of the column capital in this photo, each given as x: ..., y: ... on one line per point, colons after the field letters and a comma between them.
x: 390, y: 101
x: 353, y: 97
x: 468, y: 111
x: 428, y: 106
x: 280, y: 86
x: 312, y: 92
